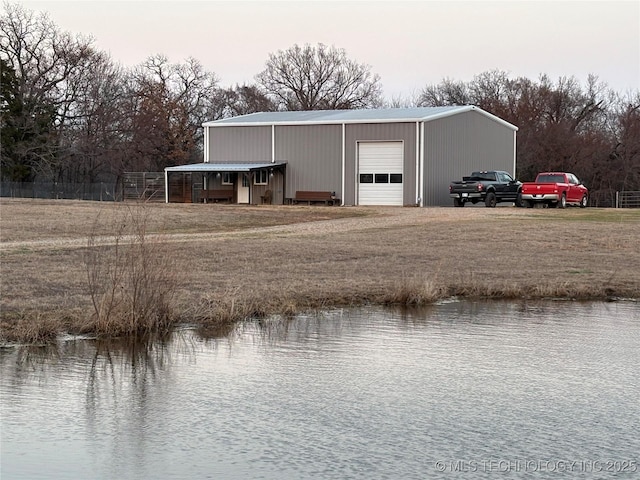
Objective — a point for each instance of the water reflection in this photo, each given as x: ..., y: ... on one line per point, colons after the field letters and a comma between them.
x: 364, y: 393
x: 139, y: 354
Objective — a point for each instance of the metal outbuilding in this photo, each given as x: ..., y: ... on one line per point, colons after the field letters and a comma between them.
x: 396, y: 156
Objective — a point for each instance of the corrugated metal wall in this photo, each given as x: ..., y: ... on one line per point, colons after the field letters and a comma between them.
x: 453, y: 147
x: 380, y: 132
x: 240, y: 144
x: 457, y: 145
x: 313, y: 154
x: 276, y: 185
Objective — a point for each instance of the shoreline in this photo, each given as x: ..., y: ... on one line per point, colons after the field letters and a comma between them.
x: 51, y: 331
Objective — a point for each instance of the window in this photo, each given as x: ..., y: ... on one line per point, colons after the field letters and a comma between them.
x: 261, y: 177
x: 380, y: 178
x: 550, y: 179
x: 505, y: 178
x: 366, y: 178
x: 227, y: 179
x: 488, y: 176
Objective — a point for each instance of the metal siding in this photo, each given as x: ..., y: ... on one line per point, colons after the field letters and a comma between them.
x: 380, y: 132
x: 453, y: 146
x: 275, y: 184
x: 457, y: 145
x: 240, y: 144
x: 314, y: 157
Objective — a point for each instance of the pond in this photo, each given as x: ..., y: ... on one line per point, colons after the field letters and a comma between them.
x: 544, y: 389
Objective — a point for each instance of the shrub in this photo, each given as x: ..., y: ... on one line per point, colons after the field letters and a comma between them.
x: 131, y: 283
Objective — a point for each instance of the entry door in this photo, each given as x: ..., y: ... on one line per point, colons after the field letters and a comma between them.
x: 243, y: 188
x: 380, y: 173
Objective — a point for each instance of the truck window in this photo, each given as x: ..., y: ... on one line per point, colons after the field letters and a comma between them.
x: 488, y: 176
x: 550, y: 179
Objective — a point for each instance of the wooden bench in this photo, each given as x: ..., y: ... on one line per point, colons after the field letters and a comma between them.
x: 215, y: 195
x: 328, y: 198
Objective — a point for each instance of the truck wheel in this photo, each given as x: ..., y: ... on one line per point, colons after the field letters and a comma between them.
x: 490, y: 200
x: 519, y: 202
x: 583, y: 202
x: 458, y: 203
x: 563, y: 201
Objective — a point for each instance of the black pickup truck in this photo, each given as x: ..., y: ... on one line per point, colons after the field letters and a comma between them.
x: 490, y: 187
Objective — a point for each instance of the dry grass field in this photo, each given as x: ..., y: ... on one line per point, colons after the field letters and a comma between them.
x: 214, y: 264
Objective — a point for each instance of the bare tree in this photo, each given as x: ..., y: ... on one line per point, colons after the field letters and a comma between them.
x: 489, y: 90
x: 447, y: 93
x: 623, y: 157
x: 195, y: 89
x: 73, y: 115
x: 95, y: 141
x: 48, y: 65
x: 168, y: 104
x: 245, y: 99
x: 402, y: 101
x: 319, y: 78
x: 24, y: 43
x: 562, y: 126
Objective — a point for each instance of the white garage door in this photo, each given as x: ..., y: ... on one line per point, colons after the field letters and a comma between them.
x: 380, y: 175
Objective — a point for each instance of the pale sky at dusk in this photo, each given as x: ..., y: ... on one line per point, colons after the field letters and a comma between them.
x: 410, y: 44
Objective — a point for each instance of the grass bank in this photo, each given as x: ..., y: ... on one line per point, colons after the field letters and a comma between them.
x: 217, y: 264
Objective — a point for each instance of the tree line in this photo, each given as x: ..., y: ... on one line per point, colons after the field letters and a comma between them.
x: 70, y: 113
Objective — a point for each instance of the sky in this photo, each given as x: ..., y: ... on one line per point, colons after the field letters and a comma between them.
x: 409, y: 44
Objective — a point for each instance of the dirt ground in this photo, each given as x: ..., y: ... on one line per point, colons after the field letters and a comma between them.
x: 324, y: 256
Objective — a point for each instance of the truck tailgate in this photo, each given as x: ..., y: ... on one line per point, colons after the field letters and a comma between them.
x: 539, y: 188
x: 464, y: 187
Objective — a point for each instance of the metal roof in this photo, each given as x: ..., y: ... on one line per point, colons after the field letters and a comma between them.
x: 222, y: 167
x: 378, y: 115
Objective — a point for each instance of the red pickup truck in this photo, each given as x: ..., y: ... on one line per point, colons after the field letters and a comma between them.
x: 555, y: 189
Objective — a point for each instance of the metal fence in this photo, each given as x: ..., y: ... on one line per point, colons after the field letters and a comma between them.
x: 628, y: 199
x: 147, y: 186
x: 103, y: 192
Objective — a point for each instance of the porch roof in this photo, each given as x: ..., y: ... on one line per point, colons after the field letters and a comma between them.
x: 223, y: 167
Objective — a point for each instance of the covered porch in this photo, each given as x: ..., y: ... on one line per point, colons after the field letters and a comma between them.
x: 240, y: 183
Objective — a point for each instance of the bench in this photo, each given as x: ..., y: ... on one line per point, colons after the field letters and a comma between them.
x: 328, y: 198
x: 216, y: 195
